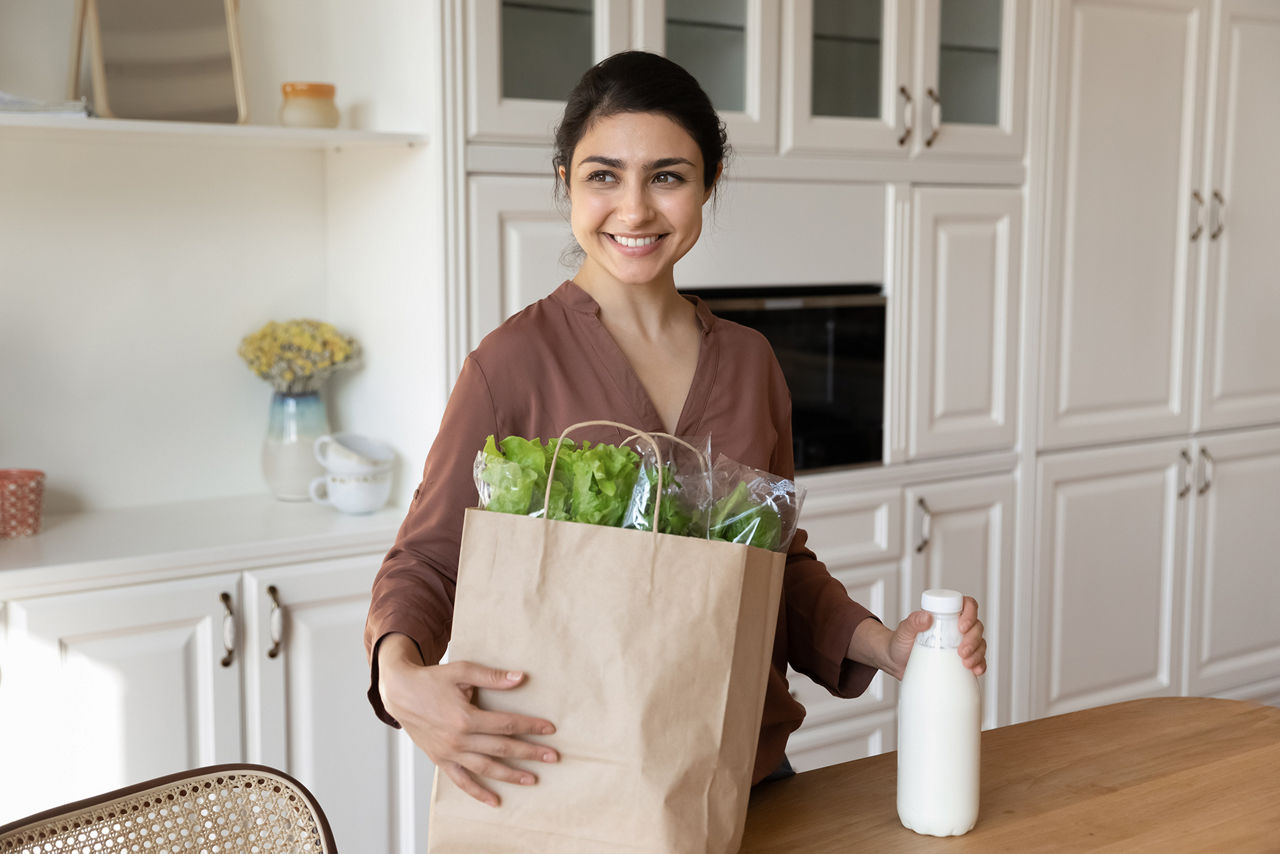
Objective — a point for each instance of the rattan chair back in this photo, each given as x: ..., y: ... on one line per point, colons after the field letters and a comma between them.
x: 221, y: 808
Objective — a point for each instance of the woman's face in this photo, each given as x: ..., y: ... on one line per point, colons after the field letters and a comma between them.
x: 636, y: 196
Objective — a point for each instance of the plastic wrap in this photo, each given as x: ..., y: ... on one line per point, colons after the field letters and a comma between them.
x: 753, y: 507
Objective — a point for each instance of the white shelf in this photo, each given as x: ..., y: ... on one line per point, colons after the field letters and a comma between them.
x: 183, y: 538
x: 217, y: 134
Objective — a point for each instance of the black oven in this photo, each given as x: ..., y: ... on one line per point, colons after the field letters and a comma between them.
x: 829, y: 340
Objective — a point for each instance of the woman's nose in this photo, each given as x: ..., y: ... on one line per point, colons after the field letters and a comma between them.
x: 634, y: 207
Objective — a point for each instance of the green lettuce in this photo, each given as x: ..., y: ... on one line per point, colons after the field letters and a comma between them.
x: 739, y: 518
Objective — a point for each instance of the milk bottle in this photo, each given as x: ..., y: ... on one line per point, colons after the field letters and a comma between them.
x: 939, y: 727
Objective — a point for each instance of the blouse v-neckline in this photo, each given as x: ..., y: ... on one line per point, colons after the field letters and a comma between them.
x: 624, y: 375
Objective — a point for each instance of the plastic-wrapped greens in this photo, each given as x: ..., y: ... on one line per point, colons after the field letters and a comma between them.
x: 686, y: 486
x: 753, y: 507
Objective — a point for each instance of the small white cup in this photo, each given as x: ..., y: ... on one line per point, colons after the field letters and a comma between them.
x: 351, y: 453
x: 353, y: 493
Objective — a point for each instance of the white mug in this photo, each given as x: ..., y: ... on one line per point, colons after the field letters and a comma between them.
x: 351, y: 453
x: 353, y: 493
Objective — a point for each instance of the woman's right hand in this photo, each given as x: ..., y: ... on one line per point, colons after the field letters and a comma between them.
x: 434, y: 705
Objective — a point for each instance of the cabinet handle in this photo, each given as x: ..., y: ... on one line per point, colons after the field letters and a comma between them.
x: 1186, y: 473
x: 908, y: 115
x: 935, y: 116
x: 926, y: 525
x: 276, y: 620
x: 1219, y: 214
x: 228, y: 630
x: 1199, y: 216
x: 1206, y: 471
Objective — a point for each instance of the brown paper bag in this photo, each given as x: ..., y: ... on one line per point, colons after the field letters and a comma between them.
x: 649, y: 652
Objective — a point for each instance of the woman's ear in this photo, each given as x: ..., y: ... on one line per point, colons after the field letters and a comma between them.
x: 714, y: 182
x: 560, y: 173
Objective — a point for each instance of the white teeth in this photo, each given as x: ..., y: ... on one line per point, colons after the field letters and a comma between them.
x: 633, y: 242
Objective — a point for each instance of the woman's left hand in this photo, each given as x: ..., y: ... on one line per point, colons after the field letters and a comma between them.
x: 973, y: 646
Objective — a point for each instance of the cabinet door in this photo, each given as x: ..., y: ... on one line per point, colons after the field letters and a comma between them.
x: 845, y: 76
x: 964, y: 311
x: 961, y: 538
x: 1239, y: 383
x: 1109, y: 575
x: 731, y: 47
x: 519, y: 242
x: 971, y: 78
x: 524, y: 57
x: 306, y: 710
x: 858, y: 536
x: 1125, y: 142
x: 1233, y: 634
x: 112, y: 687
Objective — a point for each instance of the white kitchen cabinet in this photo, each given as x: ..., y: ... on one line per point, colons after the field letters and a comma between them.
x: 1109, y: 575
x: 1239, y: 384
x: 109, y: 687
x: 305, y: 706
x: 903, y: 78
x: 961, y: 537
x: 963, y: 298
x: 858, y: 536
x: 1232, y: 633
x: 523, y: 59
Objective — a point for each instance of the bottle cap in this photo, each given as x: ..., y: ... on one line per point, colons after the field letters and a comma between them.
x: 940, y: 601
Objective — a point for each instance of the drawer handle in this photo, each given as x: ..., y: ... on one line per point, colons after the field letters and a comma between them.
x: 276, y: 621
x: 908, y: 115
x: 935, y: 113
x: 1186, y: 474
x: 1199, y: 213
x: 228, y: 630
x: 1206, y: 471
x: 1219, y: 215
x: 926, y: 525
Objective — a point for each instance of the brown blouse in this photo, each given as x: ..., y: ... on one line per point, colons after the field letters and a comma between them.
x: 554, y: 364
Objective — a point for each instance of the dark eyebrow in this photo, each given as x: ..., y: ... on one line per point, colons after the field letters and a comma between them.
x: 615, y: 163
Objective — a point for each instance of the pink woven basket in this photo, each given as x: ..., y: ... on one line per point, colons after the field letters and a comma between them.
x: 21, y: 501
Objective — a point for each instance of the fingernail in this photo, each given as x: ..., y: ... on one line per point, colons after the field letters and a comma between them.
x: 527, y: 780
x: 548, y: 757
x: 513, y: 675
x: 548, y: 729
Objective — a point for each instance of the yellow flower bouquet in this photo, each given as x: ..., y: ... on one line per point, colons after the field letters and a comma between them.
x: 297, y: 356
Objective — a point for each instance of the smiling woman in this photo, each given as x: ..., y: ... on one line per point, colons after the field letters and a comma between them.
x: 639, y: 153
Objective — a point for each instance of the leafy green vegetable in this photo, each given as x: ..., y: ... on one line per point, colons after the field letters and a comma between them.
x: 592, y: 483
x: 674, y: 516
x: 739, y: 518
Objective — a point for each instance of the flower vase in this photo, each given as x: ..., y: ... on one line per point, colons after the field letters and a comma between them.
x: 288, y: 454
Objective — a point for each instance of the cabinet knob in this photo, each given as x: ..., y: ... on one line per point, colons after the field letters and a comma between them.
x: 276, y: 622
x: 228, y: 630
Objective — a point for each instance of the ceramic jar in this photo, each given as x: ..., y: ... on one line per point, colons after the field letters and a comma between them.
x: 308, y: 105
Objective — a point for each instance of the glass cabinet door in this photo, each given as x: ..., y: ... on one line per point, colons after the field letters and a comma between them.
x: 973, y: 65
x: 524, y: 57
x: 846, y: 73
x: 546, y: 45
x: 731, y: 47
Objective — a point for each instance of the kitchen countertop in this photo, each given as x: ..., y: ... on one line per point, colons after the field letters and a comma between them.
x: 1165, y: 774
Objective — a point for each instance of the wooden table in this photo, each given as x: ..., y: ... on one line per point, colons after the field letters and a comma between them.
x: 1168, y: 774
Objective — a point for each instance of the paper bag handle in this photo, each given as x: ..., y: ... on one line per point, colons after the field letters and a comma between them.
x: 555, y: 455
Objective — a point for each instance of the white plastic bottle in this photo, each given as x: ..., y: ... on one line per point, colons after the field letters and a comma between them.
x: 939, y: 727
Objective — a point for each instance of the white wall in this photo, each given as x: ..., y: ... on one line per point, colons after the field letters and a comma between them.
x: 131, y: 266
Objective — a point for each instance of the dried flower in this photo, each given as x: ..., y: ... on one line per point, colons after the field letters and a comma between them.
x: 297, y: 356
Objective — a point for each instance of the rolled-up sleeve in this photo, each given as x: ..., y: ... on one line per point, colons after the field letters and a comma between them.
x: 414, y: 589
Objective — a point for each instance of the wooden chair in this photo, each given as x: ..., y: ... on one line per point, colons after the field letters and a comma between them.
x: 224, y: 808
